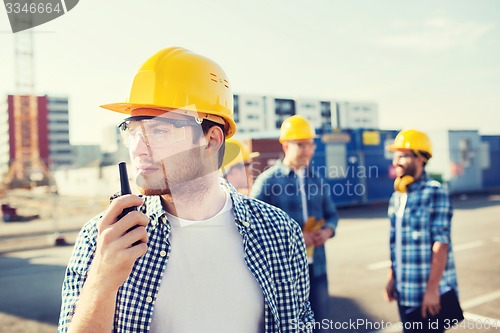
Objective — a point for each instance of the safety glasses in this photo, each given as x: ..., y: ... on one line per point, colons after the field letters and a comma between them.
x: 156, y: 132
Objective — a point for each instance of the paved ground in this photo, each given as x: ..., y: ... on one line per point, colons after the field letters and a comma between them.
x: 358, y: 265
x: 59, y: 218
x: 31, y: 279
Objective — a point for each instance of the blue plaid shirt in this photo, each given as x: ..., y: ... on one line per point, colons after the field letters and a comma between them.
x: 274, y: 252
x: 279, y: 186
x: 426, y: 220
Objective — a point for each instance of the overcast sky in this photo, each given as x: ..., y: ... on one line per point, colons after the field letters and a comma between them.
x: 428, y: 64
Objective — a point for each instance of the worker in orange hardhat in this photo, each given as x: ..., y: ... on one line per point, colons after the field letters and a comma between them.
x: 237, y: 169
x: 420, y: 213
x: 294, y: 186
x: 196, y: 256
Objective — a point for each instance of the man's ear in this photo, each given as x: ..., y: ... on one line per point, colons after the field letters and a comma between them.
x: 421, y: 162
x: 284, y: 146
x: 215, y: 138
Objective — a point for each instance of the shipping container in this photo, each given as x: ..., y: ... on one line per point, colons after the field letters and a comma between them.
x: 377, y: 164
x: 358, y: 169
x: 337, y: 160
x: 357, y: 166
x: 457, y: 158
x: 269, y: 150
x: 490, y: 156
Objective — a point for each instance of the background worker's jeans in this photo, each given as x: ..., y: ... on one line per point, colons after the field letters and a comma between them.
x: 403, y: 311
x: 319, y: 298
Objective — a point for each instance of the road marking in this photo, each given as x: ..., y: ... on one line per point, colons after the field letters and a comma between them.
x: 379, y: 265
x: 466, y: 246
x: 477, y: 319
x: 481, y: 300
x: 456, y: 248
x: 474, y: 318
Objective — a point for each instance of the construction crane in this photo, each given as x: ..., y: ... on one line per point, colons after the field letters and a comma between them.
x: 27, y: 168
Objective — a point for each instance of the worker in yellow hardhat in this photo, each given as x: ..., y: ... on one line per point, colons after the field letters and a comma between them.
x: 417, y: 144
x: 195, y: 248
x: 420, y: 213
x: 294, y: 186
x: 237, y: 165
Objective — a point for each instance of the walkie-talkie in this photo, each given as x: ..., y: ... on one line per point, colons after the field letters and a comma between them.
x: 125, y: 189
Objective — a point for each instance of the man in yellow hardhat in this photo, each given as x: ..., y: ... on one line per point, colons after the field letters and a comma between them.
x: 237, y: 170
x: 422, y: 276
x: 294, y: 186
x: 196, y: 256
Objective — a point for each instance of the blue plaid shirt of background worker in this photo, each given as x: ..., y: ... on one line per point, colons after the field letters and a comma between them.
x: 292, y: 185
x: 426, y: 220
x: 279, y: 186
x: 420, y: 212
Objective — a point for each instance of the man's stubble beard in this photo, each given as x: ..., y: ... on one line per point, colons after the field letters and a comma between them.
x: 410, y: 170
x: 183, y: 177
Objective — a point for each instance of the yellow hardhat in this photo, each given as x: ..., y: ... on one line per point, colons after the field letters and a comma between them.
x: 296, y: 128
x: 232, y: 153
x: 413, y: 140
x: 176, y: 78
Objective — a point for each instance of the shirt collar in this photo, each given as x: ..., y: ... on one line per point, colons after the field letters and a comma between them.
x: 419, y: 183
x: 156, y: 212
x: 241, y: 212
x: 287, y: 171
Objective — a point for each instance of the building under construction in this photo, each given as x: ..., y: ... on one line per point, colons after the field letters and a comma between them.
x: 34, y: 139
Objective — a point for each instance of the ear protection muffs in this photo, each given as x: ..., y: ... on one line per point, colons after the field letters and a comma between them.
x: 401, y: 183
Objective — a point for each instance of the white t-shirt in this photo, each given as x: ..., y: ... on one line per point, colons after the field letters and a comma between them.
x: 400, y: 211
x: 301, y: 174
x: 207, y: 286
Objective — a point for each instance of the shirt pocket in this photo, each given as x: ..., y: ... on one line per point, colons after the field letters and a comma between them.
x: 419, y: 224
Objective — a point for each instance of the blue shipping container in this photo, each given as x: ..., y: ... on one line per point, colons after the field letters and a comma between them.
x: 356, y: 165
x: 491, y: 161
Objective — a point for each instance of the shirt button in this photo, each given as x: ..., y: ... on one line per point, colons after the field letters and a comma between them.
x: 163, y: 253
x: 246, y: 224
x: 153, y: 223
x: 149, y: 299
